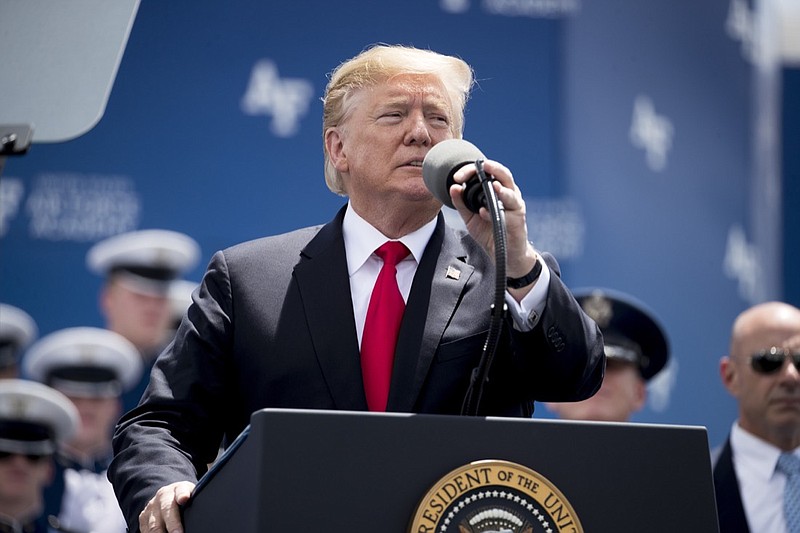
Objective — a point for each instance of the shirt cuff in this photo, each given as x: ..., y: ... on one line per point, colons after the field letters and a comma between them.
x: 525, y: 314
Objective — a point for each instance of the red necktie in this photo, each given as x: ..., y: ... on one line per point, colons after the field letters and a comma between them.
x: 381, y: 327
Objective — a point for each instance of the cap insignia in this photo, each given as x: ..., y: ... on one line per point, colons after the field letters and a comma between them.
x: 599, y: 309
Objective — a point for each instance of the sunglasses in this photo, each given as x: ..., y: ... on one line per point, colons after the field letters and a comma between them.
x: 32, y: 457
x: 771, y: 360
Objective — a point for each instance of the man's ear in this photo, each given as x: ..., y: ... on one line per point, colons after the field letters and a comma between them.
x: 728, y: 374
x: 640, y: 395
x: 334, y: 144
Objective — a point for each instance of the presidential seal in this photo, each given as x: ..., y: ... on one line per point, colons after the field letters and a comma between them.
x: 494, y: 497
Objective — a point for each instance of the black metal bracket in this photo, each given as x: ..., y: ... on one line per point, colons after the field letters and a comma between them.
x: 15, y: 139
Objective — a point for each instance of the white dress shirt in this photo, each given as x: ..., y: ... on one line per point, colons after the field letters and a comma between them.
x: 760, y: 485
x: 363, y: 265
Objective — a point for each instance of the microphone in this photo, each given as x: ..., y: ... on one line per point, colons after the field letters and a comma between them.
x: 442, y: 161
x: 438, y: 167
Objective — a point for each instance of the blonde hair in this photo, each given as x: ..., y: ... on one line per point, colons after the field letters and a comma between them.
x: 378, y: 64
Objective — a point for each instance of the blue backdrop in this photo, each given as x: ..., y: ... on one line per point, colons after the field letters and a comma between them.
x: 628, y: 125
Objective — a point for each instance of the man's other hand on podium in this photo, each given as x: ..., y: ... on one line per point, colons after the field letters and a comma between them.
x: 162, y: 513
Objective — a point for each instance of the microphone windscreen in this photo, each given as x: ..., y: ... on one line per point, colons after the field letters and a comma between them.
x: 442, y: 161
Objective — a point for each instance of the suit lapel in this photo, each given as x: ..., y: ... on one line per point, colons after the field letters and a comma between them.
x: 729, y: 500
x: 329, y: 312
x: 435, y: 292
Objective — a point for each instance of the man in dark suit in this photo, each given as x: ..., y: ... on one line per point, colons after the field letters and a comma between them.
x: 762, y: 372
x: 284, y: 321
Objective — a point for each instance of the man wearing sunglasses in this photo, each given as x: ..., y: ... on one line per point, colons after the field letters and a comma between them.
x: 34, y: 420
x: 754, y: 478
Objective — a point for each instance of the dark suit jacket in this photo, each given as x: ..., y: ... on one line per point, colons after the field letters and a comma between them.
x: 273, y: 326
x: 726, y: 488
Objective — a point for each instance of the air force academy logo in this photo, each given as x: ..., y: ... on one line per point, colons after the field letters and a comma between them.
x: 286, y: 100
x: 651, y: 132
x: 494, y: 497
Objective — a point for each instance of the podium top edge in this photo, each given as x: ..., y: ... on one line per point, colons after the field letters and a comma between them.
x: 270, y: 411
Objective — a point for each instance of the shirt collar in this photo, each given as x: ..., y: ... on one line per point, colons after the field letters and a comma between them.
x: 760, y: 456
x: 361, y: 239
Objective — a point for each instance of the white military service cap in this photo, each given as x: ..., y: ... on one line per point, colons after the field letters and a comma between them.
x: 180, y: 298
x: 34, y: 418
x: 147, y: 260
x: 17, y: 331
x: 84, y: 362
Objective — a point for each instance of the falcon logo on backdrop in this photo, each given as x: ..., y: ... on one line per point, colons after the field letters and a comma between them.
x: 651, y: 132
x: 742, y: 263
x: 740, y: 26
x: 493, y: 496
x: 286, y: 100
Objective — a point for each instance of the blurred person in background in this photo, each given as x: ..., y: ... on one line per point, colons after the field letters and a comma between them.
x: 92, y: 367
x: 139, y: 268
x: 636, y: 347
x: 34, y: 420
x: 17, y: 331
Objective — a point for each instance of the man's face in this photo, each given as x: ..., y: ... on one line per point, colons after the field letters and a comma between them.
x: 143, y: 319
x: 622, y: 394
x: 22, y: 479
x: 769, y: 404
x: 98, y: 417
x: 380, y: 146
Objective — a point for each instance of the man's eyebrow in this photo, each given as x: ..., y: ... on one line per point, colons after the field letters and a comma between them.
x: 431, y: 102
x: 394, y: 101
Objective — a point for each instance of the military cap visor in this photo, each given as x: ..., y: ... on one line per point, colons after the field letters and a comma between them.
x: 34, y: 418
x: 157, y: 256
x: 85, y: 362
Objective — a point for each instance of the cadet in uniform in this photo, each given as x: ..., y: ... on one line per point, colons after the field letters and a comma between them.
x: 636, y: 348
x: 139, y: 268
x: 92, y: 367
x: 17, y: 331
x: 34, y: 419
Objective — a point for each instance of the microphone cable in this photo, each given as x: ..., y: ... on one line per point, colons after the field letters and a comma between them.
x: 480, y: 374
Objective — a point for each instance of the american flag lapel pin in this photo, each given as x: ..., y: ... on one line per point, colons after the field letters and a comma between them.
x: 453, y: 273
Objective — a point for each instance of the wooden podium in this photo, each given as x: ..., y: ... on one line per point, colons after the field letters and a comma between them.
x: 303, y: 470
